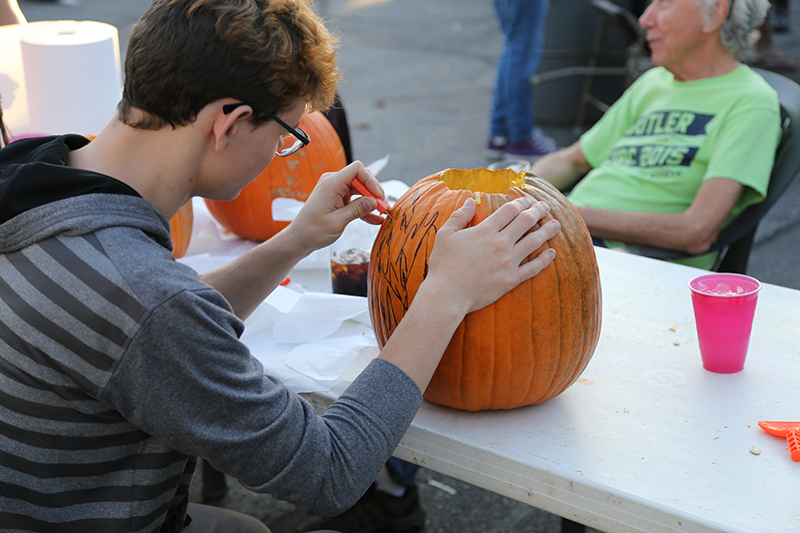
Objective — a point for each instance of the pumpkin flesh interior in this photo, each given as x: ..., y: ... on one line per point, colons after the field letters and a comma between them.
x: 482, y: 180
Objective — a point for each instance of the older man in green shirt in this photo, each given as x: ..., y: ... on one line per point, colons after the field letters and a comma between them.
x: 688, y: 146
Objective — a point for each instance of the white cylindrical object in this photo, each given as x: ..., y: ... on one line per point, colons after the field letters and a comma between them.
x: 12, y: 81
x: 72, y: 75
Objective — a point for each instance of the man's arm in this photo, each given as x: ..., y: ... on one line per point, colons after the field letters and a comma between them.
x: 564, y: 167
x: 694, y: 231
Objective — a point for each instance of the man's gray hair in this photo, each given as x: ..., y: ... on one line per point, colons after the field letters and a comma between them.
x: 740, y: 31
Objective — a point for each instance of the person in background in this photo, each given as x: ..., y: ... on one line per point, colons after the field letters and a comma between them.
x: 120, y: 366
x: 512, y: 131
x: 688, y: 146
x: 337, y: 116
x: 10, y: 13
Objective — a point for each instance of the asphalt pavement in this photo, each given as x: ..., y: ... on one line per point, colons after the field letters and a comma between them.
x: 417, y: 84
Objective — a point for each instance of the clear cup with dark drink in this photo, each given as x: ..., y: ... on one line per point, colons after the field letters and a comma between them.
x: 349, y: 271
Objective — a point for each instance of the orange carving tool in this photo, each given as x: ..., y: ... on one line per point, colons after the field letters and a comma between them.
x: 362, y: 189
x: 790, y: 430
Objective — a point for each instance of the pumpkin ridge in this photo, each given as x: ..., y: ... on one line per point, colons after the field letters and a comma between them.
x: 554, y: 371
x: 586, y: 300
x: 573, y: 368
x: 496, y: 367
x: 535, y: 334
x: 459, y: 369
x: 565, y: 373
x: 532, y: 367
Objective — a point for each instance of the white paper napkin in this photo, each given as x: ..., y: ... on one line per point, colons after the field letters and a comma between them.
x: 311, y: 341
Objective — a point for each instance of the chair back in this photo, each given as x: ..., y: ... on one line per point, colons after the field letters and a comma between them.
x: 736, y: 240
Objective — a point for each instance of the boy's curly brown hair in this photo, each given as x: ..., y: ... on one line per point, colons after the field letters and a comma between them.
x: 184, y: 54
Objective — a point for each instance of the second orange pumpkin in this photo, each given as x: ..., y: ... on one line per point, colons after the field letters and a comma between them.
x: 250, y: 214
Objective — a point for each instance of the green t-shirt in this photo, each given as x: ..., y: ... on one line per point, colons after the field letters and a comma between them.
x: 657, y: 144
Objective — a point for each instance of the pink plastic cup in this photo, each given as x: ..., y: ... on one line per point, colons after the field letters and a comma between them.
x: 724, y: 306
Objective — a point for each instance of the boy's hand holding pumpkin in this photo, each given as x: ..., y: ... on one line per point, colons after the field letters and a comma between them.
x: 483, y: 262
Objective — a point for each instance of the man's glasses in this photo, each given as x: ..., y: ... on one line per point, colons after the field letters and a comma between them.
x: 290, y: 142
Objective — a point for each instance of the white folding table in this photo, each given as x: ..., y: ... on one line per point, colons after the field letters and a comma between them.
x: 646, y: 440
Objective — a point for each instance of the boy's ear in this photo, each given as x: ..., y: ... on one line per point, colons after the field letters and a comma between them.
x: 226, y: 126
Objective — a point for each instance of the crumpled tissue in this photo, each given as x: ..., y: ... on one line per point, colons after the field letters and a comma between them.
x: 311, y: 341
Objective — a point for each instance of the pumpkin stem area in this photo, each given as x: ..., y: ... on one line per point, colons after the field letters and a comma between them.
x: 483, y: 180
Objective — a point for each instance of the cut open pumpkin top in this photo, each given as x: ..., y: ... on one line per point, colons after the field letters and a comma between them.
x: 483, y: 180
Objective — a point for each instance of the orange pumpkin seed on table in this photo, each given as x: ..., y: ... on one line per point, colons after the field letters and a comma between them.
x: 249, y: 215
x: 532, y: 343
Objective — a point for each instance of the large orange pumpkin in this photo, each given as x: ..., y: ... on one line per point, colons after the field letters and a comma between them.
x: 250, y: 214
x: 532, y: 343
x: 180, y: 225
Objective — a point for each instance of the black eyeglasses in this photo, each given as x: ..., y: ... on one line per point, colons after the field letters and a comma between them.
x: 288, y: 146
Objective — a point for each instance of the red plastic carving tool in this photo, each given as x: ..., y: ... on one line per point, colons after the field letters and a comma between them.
x: 790, y: 430
x: 362, y: 189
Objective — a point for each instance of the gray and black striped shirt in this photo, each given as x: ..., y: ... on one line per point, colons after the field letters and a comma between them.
x: 118, y: 366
